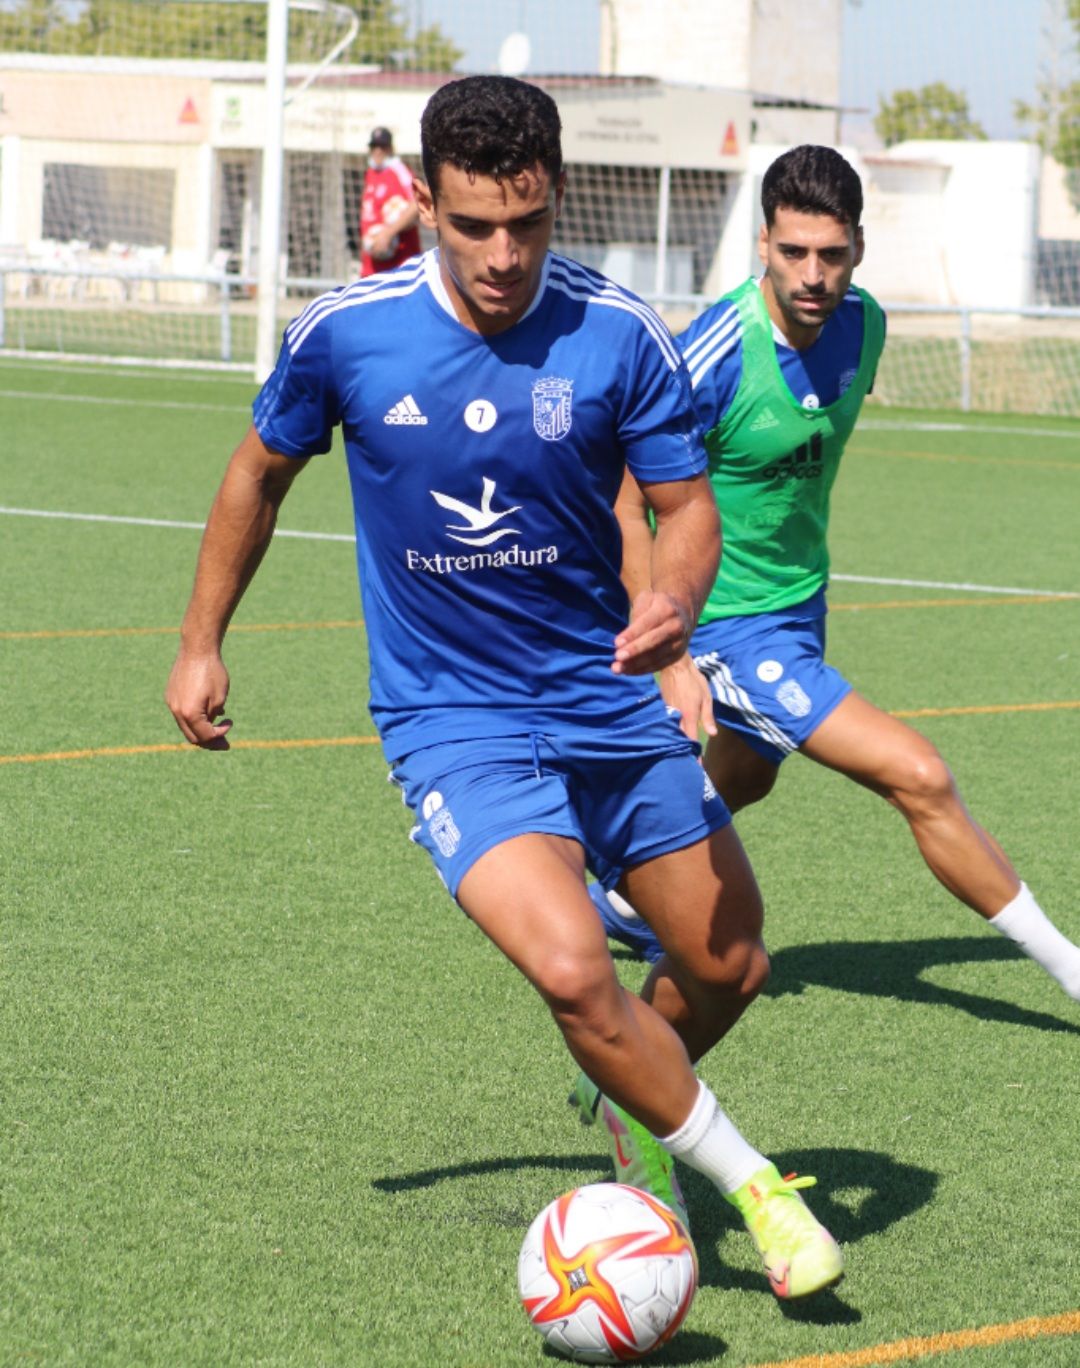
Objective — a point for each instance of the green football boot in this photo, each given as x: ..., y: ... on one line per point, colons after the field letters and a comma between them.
x: 640, y: 1159
x: 799, y: 1254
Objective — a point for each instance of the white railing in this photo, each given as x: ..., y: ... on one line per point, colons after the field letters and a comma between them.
x: 965, y: 317
x: 112, y: 286
x: 952, y: 356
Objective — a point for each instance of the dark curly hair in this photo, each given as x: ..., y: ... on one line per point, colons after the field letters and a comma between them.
x: 813, y: 180
x: 490, y: 126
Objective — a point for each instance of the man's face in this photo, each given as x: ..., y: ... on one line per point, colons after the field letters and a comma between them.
x: 808, y: 260
x: 377, y: 155
x: 493, y: 239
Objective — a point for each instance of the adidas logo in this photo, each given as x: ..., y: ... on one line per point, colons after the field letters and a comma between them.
x: 765, y: 419
x: 406, y: 412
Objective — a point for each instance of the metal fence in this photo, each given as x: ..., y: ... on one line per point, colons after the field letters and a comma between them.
x: 982, y: 358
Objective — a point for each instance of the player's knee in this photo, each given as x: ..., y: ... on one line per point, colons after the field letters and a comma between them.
x: 751, y: 970
x: 574, y: 985
x: 924, y: 781
x: 739, y: 970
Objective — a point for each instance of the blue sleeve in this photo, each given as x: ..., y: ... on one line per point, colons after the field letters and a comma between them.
x: 712, y: 346
x: 658, y: 426
x: 297, y: 409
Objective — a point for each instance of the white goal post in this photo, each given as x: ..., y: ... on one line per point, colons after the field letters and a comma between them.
x: 277, y: 44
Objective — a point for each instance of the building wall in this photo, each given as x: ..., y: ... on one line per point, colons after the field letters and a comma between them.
x: 775, y: 124
x: 185, y: 163
x: 1058, y: 264
x: 778, y: 47
x: 1059, y: 218
x: 904, y: 227
x: 960, y: 231
x: 795, y: 49
x: 946, y: 223
x: 703, y: 42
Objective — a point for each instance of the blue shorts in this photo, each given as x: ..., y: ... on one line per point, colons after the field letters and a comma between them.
x: 625, y: 796
x: 768, y: 675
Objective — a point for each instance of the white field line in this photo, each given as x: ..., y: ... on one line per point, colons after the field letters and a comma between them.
x: 160, y: 522
x: 71, y: 363
x: 348, y: 537
x: 883, y: 425
x: 38, y: 395
x: 867, y: 424
x: 944, y: 584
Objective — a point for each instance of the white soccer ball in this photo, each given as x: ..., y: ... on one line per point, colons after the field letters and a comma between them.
x: 607, y: 1273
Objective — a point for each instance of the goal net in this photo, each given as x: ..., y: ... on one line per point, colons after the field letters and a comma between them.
x: 969, y: 148
x: 133, y: 163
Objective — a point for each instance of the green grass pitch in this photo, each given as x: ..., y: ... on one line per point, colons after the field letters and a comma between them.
x: 267, y: 1097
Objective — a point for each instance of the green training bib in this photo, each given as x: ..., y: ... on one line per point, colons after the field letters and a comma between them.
x: 772, y: 464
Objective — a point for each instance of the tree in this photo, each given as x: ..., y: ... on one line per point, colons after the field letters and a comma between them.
x: 933, y: 111
x: 233, y: 29
x: 33, y: 26
x: 1055, y: 117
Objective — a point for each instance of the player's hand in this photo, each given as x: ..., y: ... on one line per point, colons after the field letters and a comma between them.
x: 684, y: 688
x: 383, y: 240
x: 656, y: 636
x: 196, y: 692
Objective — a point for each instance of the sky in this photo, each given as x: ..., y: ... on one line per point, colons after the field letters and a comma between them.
x: 992, y: 50
x: 996, y: 51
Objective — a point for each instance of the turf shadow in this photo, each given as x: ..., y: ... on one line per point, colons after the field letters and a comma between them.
x: 894, y: 1190
x: 687, y: 1347
x: 887, y: 1190
x: 422, y: 1178
x: 883, y: 1191
x: 894, y: 969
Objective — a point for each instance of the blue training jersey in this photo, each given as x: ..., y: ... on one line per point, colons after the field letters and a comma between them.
x: 484, y: 470
x: 816, y: 377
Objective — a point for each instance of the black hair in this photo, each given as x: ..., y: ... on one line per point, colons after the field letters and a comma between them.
x: 813, y: 180
x: 490, y: 126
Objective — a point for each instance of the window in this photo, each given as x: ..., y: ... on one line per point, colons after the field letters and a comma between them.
x: 103, y: 204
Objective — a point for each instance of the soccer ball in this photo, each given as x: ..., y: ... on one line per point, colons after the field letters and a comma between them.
x: 607, y: 1273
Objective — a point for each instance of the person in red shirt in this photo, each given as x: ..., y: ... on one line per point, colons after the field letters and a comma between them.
x: 388, y: 214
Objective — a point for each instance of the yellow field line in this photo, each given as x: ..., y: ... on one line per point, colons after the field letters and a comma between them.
x: 175, y: 630
x: 987, y: 708
x: 307, y: 743
x: 354, y: 624
x: 315, y: 742
x: 930, y: 1346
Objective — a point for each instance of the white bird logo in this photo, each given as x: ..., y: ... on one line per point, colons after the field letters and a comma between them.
x: 477, y: 520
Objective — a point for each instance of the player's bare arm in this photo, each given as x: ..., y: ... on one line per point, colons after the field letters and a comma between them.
x: 684, y: 559
x: 238, y: 531
x: 683, y: 686
x: 632, y: 512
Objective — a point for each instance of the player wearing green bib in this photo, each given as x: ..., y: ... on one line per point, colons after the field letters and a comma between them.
x: 772, y: 463
x: 780, y: 368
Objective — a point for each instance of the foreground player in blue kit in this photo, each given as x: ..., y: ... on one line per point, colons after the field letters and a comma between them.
x: 779, y: 368
x: 491, y: 396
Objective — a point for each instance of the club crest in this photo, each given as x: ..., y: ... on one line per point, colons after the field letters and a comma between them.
x: 551, y: 407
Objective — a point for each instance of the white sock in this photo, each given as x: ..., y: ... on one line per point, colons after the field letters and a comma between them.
x: 708, y: 1142
x: 1024, y: 922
